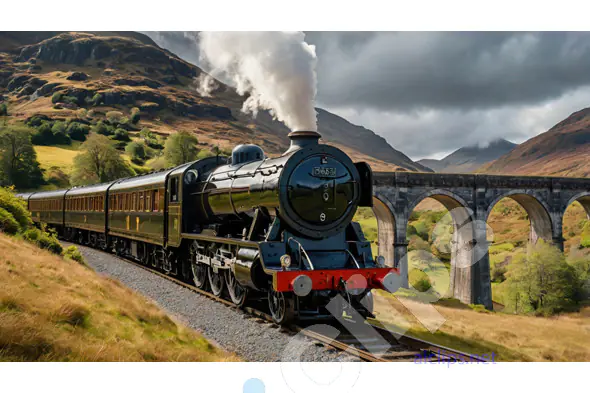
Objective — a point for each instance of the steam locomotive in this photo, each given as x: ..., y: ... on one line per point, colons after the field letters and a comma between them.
x: 249, y: 226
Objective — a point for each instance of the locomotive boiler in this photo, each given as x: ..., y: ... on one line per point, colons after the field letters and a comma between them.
x: 248, y: 226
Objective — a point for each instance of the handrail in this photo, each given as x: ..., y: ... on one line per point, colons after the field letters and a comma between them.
x: 302, y: 251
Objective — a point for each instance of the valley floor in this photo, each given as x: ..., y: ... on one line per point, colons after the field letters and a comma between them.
x: 509, y: 337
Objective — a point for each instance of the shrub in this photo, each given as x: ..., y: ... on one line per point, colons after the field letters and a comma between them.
x: 95, y: 100
x: 421, y: 230
x: 136, y: 152
x: 70, y: 100
x: 45, y: 240
x: 114, y: 117
x: 43, y: 136
x: 74, y: 254
x: 103, y: 129
x: 16, y: 207
x: 121, y: 135
x: 78, y: 131
x: 498, y: 274
x: 134, y: 116
x: 56, y: 97
x: 420, y: 281
x: 3, y: 110
x: 60, y: 135
x: 7, y: 223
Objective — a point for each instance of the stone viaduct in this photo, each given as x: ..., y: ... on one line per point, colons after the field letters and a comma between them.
x: 470, y: 198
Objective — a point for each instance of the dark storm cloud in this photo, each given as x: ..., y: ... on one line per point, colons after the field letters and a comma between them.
x: 430, y: 93
x: 417, y: 70
x: 401, y: 71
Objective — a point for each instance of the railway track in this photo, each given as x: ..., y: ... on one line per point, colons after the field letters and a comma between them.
x: 367, y: 341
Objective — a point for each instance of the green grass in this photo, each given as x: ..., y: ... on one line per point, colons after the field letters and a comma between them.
x: 61, y: 157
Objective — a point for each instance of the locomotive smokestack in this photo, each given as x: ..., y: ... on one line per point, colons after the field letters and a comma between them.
x: 301, y: 139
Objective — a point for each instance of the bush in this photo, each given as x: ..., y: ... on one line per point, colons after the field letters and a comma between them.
x: 103, y: 129
x: 74, y: 254
x: 115, y: 117
x: 45, y: 240
x: 60, y: 136
x: 16, y: 207
x: 56, y: 97
x: 70, y: 100
x: 95, y: 100
x: 7, y: 223
x: 134, y: 116
x: 136, y: 152
x: 498, y: 274
x: 121, y: 135
x: 3, y: 110
x: 421, y: 230
x: 78, y: 131
x: 420, y: 281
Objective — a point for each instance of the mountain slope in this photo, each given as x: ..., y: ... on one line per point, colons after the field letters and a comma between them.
x: 564, y: 150
x: 129, y: 70
x: 469, y: 158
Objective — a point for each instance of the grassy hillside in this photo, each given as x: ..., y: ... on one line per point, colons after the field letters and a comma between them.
x: 563, y: 150
x: 54, y: 309
x: 509, y: 337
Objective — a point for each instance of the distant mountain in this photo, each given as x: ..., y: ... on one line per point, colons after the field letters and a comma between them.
x: 564, y: 150
x: 128, y: 69
x: 470, y: 158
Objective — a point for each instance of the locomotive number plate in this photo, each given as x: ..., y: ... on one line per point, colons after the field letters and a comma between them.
x: 324, y: 171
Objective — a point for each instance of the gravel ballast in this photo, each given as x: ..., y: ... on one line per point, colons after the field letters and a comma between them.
x: 233, y: 330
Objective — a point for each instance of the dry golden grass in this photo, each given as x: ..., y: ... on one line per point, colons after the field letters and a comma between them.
x: 52, y: 309
x: 510, y: 337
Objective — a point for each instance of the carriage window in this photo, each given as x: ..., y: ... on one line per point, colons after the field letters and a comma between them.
x: 140, y: 201
x: 156, y: 198
x: 148, y: 201
x: 174, y: 189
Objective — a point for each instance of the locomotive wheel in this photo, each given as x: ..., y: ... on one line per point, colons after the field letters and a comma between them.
x: 199, y: 270
x: 237, y: 293
x: 281, y: 307
x: 216, y: 282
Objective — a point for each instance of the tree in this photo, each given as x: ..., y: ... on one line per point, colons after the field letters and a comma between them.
x: 60, y: 135
x: 181, y: 148
x: 541, y: 281
x: 121, y: 134
x: 137, y: 152
x: 78, y: 131
x: 100, y: 162
x: 18, y: 160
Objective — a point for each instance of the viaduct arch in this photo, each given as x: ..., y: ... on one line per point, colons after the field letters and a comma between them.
x: 470, y: 199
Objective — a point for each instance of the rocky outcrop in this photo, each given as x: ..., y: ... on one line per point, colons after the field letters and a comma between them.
x: 78, y: 48
x: 77, y: 76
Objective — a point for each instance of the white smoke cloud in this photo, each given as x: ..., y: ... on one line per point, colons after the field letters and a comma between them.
x: 206, y: 84
x: 276, y: 70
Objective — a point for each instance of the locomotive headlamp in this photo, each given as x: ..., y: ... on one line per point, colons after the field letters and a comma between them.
x: 286, y: 261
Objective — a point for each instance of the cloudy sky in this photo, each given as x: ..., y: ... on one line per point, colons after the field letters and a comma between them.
x: 431, y: 93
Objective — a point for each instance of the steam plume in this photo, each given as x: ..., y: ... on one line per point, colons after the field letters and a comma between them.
x: 276, y: 70
x: 205, y: 84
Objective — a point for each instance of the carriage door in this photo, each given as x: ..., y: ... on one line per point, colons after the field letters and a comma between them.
x: 174, y: 210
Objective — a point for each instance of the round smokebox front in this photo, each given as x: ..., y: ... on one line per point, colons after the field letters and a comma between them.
x: 321, y: 191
